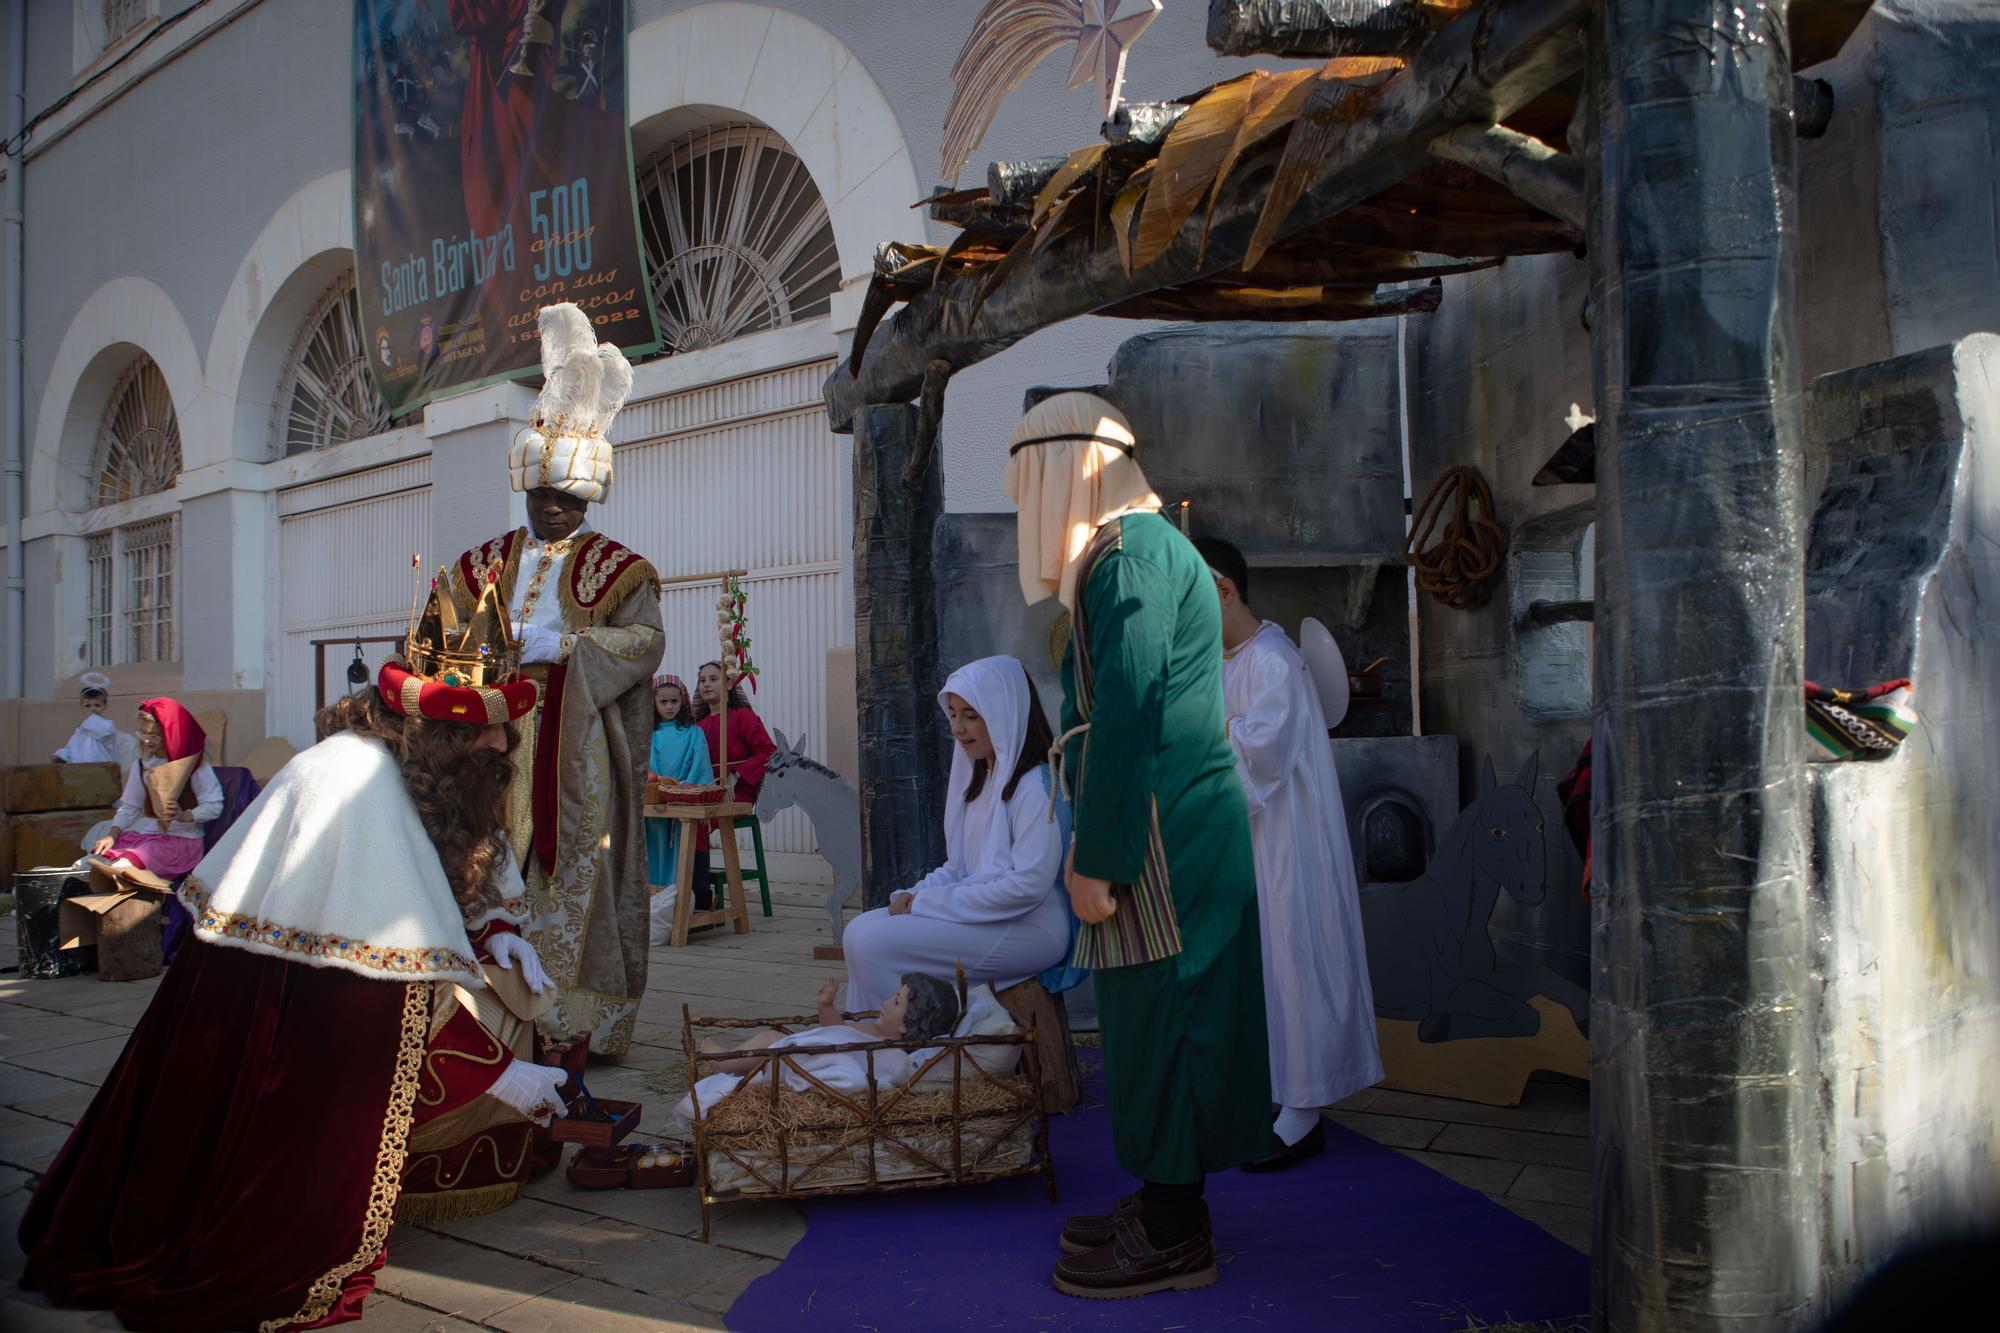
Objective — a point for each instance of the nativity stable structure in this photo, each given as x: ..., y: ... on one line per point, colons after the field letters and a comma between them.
x: 1789, y: 1069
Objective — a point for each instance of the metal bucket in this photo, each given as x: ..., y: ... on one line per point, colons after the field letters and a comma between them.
x: 38, y: 896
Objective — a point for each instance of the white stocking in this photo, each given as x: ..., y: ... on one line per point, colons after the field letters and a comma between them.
x: 1294, y: 1123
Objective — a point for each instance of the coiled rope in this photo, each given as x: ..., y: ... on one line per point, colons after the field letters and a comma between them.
x: 1456, y: 565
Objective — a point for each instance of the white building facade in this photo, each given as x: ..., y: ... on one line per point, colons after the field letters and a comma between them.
x: 217, y: 506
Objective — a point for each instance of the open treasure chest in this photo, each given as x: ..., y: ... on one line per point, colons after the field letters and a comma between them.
x: 870, y: 1117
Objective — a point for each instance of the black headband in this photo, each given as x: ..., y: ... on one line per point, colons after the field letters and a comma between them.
x: 1121, y: 445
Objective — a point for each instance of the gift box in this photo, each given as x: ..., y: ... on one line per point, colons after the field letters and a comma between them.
x: 612, y: 1121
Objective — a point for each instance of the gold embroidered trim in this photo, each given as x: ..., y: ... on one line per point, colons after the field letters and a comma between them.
x: 549, y: 552
x: 431, y: 1058
x: 627, y: 642
x: 384, y: 1189
x: 502, y: 555
x: 434, y: 1210
x: 438, y: 1168
x: 605, y: 575
x: 418, y: 963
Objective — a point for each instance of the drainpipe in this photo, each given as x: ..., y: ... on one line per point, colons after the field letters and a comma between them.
x: 13, y: 115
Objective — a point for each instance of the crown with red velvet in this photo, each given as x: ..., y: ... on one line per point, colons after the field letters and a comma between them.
x: 466, y: 673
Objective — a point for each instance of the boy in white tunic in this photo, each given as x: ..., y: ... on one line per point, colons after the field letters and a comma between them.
x: 1318, y: 1004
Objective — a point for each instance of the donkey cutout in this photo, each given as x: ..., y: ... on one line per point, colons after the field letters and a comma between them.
x: 834, y: 808
x: 1430, y: 956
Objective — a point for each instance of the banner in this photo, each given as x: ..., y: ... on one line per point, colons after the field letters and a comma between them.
x: 492, y: 177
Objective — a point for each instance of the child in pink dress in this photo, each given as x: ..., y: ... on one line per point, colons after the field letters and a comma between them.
x: 164, y: 837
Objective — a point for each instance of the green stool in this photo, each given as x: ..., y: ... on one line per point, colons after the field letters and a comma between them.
x: 718, y: 875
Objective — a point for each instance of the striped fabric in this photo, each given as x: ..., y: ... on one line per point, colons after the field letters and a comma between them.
x: 1145, y: 927
x: 1857, y: 724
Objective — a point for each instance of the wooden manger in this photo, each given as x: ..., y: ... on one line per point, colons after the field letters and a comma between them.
x: 768, y: 1140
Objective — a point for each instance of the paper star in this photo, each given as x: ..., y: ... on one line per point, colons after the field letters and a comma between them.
x: 1101, y: 46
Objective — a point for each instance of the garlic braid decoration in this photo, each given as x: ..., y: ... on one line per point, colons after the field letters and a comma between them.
x: 733, y: 630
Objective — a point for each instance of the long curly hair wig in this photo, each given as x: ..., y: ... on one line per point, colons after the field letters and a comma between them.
x: 460, y: 791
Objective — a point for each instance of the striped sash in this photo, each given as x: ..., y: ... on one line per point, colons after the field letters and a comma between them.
x: 1145, y: 928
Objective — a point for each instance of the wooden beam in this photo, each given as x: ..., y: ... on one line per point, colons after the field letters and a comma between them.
x: 1480, y: 68
x: 1143, y: 122
x: 1533, y: 171
x: 1315, y: 28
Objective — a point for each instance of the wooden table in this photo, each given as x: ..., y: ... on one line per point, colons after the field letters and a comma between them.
x: 693, y: 820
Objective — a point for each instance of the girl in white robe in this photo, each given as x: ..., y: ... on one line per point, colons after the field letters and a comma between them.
x: 997, y: 904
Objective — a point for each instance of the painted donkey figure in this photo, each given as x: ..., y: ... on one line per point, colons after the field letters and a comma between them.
x: 834, y: 807
x: 1430, y: 955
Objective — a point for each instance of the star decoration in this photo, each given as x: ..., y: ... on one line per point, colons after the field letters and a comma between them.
x: 1101, y: 46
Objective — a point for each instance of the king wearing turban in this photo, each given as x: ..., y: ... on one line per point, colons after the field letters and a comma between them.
x: 586, y: 611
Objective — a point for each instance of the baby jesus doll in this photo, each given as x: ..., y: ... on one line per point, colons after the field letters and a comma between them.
x: 922, y: 1009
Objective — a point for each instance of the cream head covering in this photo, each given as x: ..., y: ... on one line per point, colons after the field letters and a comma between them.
x: 584, y: 383
x: 1070, y: 470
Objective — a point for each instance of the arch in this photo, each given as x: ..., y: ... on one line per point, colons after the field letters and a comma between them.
x: 799, y: 80
x: 119, y: 320
x: 302, y: 249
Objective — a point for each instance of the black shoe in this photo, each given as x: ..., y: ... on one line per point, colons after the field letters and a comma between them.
x: 1287, y: 1156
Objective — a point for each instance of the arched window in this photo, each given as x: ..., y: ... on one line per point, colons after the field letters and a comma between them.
x: 326, y: 395
x: 131, y: 564
x: 737, y: 237
x: 139, y: 445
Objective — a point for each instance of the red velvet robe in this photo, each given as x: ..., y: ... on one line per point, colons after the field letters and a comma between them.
x: 223, y: 1175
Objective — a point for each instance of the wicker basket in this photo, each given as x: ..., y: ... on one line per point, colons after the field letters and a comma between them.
x: 710, y: 793
x: 963, y: 1125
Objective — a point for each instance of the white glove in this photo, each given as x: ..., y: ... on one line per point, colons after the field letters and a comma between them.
x: 531, y: 1089
x: 540, y: 645
x: 508, y: 950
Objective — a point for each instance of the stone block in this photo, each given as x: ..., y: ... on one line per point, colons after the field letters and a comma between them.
x: 51, y: 839
x: 36, y: 788
x: 1326, y: 477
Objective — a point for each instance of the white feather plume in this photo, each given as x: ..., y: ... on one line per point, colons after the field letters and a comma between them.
x: 576, y: 384
x: 614, y: 386
x: 563, y: 328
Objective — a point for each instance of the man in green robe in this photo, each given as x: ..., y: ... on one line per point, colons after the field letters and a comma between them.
x: 1161, y: 870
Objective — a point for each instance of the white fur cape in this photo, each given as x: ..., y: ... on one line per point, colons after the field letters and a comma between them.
x: 331, y: 866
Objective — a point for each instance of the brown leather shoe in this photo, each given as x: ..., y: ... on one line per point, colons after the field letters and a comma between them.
x: 1128, y: 1265
x: 1087, y: 1231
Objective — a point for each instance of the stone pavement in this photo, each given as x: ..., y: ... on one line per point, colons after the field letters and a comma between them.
x: 564, y: 1259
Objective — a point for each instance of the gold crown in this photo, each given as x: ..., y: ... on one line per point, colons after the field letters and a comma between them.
x: 482, y: 651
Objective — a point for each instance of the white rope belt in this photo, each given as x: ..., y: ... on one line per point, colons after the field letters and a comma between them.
x: 1059, y: 789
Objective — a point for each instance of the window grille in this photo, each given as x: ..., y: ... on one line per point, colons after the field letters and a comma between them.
x: 327, y: 395
x: 738, y: 239
x: 98, y: 569
x: 139, y: 443
x: 121, y: 16
x: 149, y: 604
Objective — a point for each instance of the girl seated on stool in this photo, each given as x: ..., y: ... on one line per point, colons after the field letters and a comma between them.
x: 164, y: 837
x: 997, y: 903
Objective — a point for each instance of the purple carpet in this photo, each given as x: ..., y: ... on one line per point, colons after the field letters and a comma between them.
x: 1359, y: 1238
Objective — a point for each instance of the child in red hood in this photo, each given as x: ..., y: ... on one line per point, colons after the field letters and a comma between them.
x: 164, y: 836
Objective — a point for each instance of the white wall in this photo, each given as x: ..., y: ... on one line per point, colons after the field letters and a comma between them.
x: 908, y: 48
